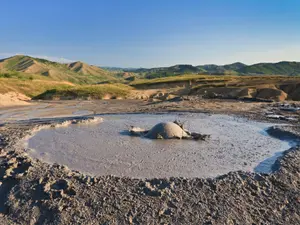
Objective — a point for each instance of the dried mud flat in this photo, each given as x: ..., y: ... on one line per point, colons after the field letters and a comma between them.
x: 33, y: 192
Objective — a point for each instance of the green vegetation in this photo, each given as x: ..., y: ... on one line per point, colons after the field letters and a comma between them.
x: 188, y: 77
x: 281, y: 68
x: 44, y: 79
x: 28, y: 87
x: 176, y: 70
x: 212, y: 81
x: 166, y: 71
x: 77, y: 73
x: 20, y: 75
x: 100, y: 91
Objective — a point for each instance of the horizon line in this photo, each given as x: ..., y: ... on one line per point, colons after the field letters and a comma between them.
x: 63, y: 60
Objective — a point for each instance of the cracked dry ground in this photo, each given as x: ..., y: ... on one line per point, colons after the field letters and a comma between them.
x: 33, y: 192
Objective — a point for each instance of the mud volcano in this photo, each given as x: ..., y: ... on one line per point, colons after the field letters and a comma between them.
x: 167, y: 130
x: 109, y: 149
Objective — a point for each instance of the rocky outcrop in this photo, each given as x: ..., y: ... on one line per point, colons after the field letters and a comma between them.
x: 272, y: 94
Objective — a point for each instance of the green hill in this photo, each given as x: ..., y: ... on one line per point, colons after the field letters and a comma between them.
x: 280, y: 68
x: 165, y: 71
x: 77, y: 72
x: 26, y: 67
x: 224, y: 69
x: 180, y: 69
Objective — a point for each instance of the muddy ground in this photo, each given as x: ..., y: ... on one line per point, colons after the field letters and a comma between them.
x: 33, y: 192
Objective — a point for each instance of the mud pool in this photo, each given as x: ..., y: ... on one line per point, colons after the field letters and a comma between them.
x: 107, y: 149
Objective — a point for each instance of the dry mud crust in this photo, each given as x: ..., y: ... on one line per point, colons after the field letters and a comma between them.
x: 37, y: 193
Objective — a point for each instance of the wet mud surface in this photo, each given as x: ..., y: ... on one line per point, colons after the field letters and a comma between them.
x: 108, y: 149
x: 35, y: 192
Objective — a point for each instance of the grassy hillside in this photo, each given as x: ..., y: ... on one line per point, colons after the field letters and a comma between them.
x: 30, y: 88
x: 101, y: 91
x: 83, y: 68
x: 39, y: 77
x: 78, y: 72
x: 230, y: 69
x: 281, y: 68
x: 214, y: 80
x: 47, y: 89
x: 176, y: 70
x: 51, y: 80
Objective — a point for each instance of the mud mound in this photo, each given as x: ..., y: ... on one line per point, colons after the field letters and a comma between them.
x: 166, y: 130
x: 13, y: 98
x: 271, y: 94
x: 238, y: 93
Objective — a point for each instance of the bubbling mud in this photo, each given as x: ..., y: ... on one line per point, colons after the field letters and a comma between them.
x: 108, y: 149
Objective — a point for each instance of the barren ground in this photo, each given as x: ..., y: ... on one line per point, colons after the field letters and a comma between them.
x: 34, y: 192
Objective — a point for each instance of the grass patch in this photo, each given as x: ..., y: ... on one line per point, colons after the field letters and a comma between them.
x: 17, y: 75
x: 86, y: 92
x: 211, y: 85
x: 191, y: 77
x: 30, y: 88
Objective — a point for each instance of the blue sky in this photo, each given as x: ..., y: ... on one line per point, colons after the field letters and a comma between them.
x: 148, y: 33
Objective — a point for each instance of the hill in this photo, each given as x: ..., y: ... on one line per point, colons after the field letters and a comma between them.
x: 230, y: 69
x: 280, y: 68
x: 223, y: 69
x: 76, y: 72
x: 83, y: 68
x: 158, y: 72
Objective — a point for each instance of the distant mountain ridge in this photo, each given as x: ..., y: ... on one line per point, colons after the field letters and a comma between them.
x: 83, y: 73
x: 76, y: 72
x: 238, y: 68
x: 280, y: 68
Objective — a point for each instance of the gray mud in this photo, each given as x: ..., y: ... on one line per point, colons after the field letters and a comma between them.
x: 106, y: 148
x: 34, y: 192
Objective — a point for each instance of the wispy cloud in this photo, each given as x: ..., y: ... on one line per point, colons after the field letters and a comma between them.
x: 50, y: 58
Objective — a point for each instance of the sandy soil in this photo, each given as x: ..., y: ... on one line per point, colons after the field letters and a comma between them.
x: 35, y: 192
x: 13, y: 99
